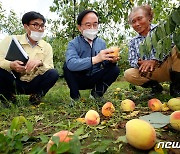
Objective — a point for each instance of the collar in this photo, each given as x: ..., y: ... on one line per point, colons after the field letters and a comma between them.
x: 29, y: 42
x: 24, y: 40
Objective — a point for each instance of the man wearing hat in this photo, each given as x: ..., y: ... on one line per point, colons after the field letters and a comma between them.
x: 89, y: 65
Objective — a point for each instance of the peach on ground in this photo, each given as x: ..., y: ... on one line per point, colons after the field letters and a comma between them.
x: 64, y: 136
x: 155, y: 104
x: 174, y: 104
x: 92, y: 118
x: 127, y: 105
x: 140, y: 134
x: 175, y: 120
x: 108, y: 109
x: 117, y: 89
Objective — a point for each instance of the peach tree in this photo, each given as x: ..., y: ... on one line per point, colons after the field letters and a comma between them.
x: 161, y: 39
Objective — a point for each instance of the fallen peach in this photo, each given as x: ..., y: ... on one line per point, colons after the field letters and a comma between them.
x: 92, y: 118
x: 140, y: 134
x: 155, y: 104
x: 117, y: 89
x: 64, y: 136
x: 127, y: 105
x: 174, y: 104
x: 108, y: 109
x: 175, y: 120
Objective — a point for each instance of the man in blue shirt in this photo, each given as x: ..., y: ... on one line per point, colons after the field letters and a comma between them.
x: 89, y: 65
x: 148, y: 72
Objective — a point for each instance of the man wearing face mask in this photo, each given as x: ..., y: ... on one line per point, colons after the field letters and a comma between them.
x: 89, y: 65
x: 35, y: 77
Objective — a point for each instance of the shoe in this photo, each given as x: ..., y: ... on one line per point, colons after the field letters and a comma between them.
x: 35, y: 99
x: 157, y: 89
x: 154, y: 85
x: 175, y: 84
x: 98, y: 99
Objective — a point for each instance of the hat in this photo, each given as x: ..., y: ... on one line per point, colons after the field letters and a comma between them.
x: 82, y: 14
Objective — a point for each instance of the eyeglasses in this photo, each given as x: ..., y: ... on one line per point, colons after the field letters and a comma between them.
x: 37, y: 26
x: 88, y: 25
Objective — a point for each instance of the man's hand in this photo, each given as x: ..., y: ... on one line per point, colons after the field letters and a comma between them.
x: 32, y: 64
x: 103, y: 55
x: 146, y: 65
x: 115, y: 59
x: 17, y: 66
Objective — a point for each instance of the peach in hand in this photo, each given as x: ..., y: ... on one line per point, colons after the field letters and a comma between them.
x: 155, y: 104
x: 64, y: 136
x: 116, y: 51
x: 92, y: 118
x: 175, y: 120
x: 108, y: 109
x: 127, y: 105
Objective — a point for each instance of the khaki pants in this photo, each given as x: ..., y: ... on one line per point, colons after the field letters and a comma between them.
x: 160, y: 74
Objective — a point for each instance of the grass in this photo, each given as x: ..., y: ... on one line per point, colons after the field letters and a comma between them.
x: 55, y: 114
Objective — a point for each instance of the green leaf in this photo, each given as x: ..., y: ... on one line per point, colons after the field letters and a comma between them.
x: 167, y: 44
x: 176, y: 17
x: 176, y: 38
x: 148, y: 45
x: 167, y: 27
x: 75, y: 145
x: 79, y: 131
x: 121, y: 139
x: 158, y: 50
x: 154, y: 41
x: 17, y: 123
x: 172, y: 24
x: 29, y: 126
x: 158, y: 33
x: 103, y: 146
x: 163, y: 32
x: 25, y: 138
x: 142, y: 49
x: 156, y: 119
x: 63, y: 147
x: 56, y: 140
x: 44, y: 138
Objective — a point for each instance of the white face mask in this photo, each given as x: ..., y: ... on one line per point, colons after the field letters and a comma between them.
x: 36, y: 36
x: 90, y: 33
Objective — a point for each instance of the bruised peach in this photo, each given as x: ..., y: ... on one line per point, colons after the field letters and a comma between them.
x: 92, y: 118
x: 64, y: 136
x: 108, y: 109
x: 175, y: 120
x: 155, y: 104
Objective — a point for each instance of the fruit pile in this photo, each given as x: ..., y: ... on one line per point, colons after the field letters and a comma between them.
x: 139, y: 133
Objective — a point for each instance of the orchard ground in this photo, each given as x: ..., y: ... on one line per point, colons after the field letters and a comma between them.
x: 55, y: 114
